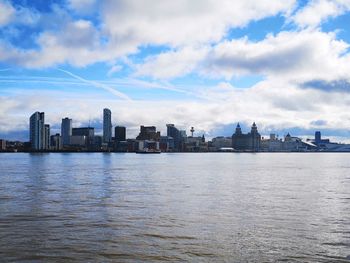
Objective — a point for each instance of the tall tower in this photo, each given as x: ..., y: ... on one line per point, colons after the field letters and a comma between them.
x: 66, y: 131
x: 107, y: 125
x: 255, y: 139
x: 238, y: 129
x: 37, y: 131
x: 47, y: 137
x: 192, y: 131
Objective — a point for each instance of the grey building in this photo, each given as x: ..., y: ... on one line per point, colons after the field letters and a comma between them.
x: 148, y: 133
x: 87, y: 132
x: 107, y: 126
x: 175, y: 133
x: 56, y: 142
x: 66, y: 131
x: 120, y: 134
x: 37, y: 131
x: 47, y: 137
x: 246, y: 142
x: 2, y: 145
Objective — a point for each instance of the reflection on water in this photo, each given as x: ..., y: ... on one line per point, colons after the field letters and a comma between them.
x: 175, y: 207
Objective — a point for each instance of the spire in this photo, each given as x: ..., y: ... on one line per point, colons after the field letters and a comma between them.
x: 254, y: 128
x: 238, y: 129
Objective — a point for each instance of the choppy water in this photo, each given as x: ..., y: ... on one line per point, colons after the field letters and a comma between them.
x: 175, y: 207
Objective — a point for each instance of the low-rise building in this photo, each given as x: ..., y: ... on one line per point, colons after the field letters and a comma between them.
x: 272, y: 144
x: 221, y: 142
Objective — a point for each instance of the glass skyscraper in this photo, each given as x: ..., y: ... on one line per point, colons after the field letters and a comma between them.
x: 107, y: 125
x: 66, y: 131
x: 37, y: 131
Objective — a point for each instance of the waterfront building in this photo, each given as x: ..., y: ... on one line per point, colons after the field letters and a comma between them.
x: 167, y: 144
x: 78, y: 141
x: 195, y: 144
x: 2, y: 145
x: 84, y: 131
x: 37, y: 131
x: 173, y: 132
x: 66, y: 131
x: 47, y: 137
x: 328, y: 146
x: 272, y: 144
x: 148, y: 133
x: 148, y: 145
x: 87, y: 132
x: 107, y: 126
x: 246, y: 142
x: 119, y: 134
x: 56, y: 142
x: 221, y: 142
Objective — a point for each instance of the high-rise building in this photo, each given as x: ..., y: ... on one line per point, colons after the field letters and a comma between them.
x: 107, y: 125
x: 66, y: 131
x: 174, y: 133
x: 47, y: 137
x: 37, y: 131
x: 120, y: 134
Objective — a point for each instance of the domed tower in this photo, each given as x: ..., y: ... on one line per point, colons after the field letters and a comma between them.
x: 238, y: 129
x: 254, y: 129
x: 256, y: 138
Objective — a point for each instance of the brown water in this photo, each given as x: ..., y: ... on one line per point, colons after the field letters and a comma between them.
x: 175, y: 207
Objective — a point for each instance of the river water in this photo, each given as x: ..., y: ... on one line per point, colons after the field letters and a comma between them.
x: 200, y: 207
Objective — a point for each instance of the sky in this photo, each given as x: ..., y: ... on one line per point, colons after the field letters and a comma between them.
x: 284, y: 64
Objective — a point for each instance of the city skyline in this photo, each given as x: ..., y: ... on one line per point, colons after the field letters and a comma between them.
x: 77, y: 139
x: 284, y: 65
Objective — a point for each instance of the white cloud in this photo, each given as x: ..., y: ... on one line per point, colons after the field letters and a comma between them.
x: 7, y: 12
x: 182, y: 22
x: 318, y: 11
x: 82, y: 6
x: 172, y: 64
x: 299, y: 56
x: 129, y: 25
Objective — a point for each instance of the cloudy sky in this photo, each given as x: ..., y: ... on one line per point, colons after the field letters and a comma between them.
x: 204, y: 63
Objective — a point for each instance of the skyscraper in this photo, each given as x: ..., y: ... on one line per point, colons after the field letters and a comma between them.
x: 66, y: 131
x: 37, y: 131
x: 174, y: 133
x: 46, y: 137
x: 107, y: 125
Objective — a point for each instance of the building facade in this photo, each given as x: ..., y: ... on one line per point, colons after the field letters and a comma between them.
x: 2, y: 145
x: 246, y: 142
x: 56, y: 142
x: 120, y: 134
x: 175, y: 133
x: 88, y: 133
x: 66, y: 131
x: 37, y: 131
x: 107, y: 126
x: 148, y: 133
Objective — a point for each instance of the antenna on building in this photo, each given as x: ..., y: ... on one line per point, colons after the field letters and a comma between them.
x: 192, y: 131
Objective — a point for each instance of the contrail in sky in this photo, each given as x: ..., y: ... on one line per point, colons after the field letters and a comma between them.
x: 98, y: 85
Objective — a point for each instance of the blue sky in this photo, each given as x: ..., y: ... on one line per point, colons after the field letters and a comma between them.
x: 209, y: 64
